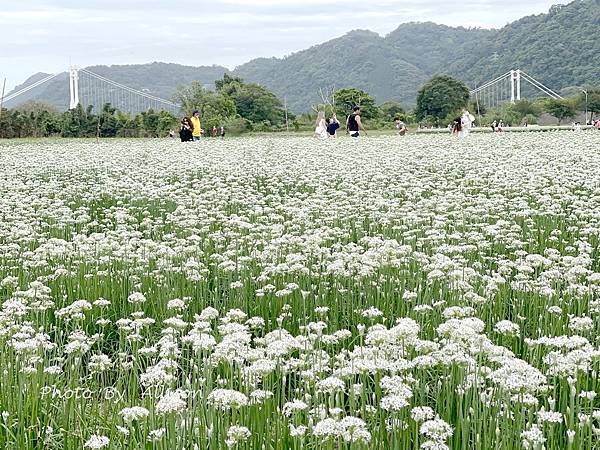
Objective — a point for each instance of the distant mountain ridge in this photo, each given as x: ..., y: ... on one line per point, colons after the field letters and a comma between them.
x: 560, y: 48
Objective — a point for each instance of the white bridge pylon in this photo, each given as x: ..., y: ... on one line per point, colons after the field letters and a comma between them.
x: 73, y: 87
x: 507, y: 87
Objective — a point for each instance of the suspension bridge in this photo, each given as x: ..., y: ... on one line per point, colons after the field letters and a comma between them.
x: 511, y: 87
x: 89, y: 89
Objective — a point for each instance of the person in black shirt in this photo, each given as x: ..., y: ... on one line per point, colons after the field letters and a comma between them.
x: 185, y: 132
x: 332, y: 126
x: 353, y: 124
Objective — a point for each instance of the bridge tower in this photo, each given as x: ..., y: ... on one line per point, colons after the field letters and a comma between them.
x: 74, y: 87
x: 515, y: 85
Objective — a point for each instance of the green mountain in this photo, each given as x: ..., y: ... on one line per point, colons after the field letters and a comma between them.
x: 561, y: 49
x: 360, y: 59
x: 432, y: 47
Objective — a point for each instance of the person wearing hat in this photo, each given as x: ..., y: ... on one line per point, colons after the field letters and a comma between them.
x: 197, y: 126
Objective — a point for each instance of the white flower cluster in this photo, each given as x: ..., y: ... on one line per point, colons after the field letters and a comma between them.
x: 271, y: 292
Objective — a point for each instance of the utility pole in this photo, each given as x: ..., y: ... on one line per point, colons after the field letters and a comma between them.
x: 586, y: 105
x: 478, y: 108
x: 2, y: 97
x: 287, y: 125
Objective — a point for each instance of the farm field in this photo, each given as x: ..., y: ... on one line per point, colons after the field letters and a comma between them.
x: 388, y: 293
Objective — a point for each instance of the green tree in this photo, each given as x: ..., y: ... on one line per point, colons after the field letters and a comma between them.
x: 478, y: 108
x: 39, y: 119
x: 347, y: 99
x: 78, y: 122
x: 229, y: 84
x: 6, y: 124
x: 109, y: 124
x: 593, y: 100
x: 210, y: 104
x: 524, y: 108
x: 440, y: 97
x: 166, y: 122
x: 560, y: 108
x: 257, y: 104
x: 252, y: 101
x: 392, y: 110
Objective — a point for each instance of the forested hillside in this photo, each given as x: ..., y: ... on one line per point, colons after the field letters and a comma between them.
x: 560, y: 48
x: 359, y: 59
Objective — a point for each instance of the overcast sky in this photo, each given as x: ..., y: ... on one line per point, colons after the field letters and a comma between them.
x: 46, y: 35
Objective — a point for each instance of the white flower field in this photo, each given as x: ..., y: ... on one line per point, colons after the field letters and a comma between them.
x: 409, y: 293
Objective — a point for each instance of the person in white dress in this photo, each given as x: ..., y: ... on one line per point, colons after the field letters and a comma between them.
x: 321, y: 126
x: 466, y: 122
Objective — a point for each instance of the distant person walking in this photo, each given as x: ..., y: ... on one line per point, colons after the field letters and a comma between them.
x: 494, y: 124
x: 333, y: 125
x: 196, y: 126
x: 354, y: 124
x: 222, y: 132
x: 185, y: 131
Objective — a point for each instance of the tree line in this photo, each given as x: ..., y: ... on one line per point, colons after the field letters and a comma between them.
x: 35, y: 119
x: 441, y: 99
x: 243, y: 107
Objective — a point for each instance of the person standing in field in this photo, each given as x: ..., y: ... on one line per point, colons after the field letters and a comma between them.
x: 185, y: 131
x: 222, y: 132
x: 466, y: 122
x: 320, y: 126
x: 354, y: 124
x: 332, y: 126
x: 196, y: 126
x: 456, y: 127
